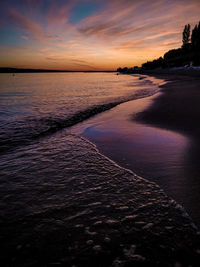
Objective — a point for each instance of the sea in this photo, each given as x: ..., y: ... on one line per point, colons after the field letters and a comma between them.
x: 55, y: 185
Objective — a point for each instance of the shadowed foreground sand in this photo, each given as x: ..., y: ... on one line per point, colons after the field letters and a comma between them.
x: 103, y: 216
x: 178, y: 107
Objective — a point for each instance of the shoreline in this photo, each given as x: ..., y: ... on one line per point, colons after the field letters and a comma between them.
x: 122, y: 136
x: 114, y: 218
x: 93, y: 211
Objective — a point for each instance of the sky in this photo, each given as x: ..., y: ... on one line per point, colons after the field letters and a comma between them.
x: 91, y: 34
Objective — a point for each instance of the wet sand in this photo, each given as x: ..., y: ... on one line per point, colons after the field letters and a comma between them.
x: 178, y: 107
x: 156, y: 138
x: 99, y: 214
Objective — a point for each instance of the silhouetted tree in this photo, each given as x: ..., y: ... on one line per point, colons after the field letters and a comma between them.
x: 155, y: 64
x: 186, y: 35
x: 188, y: 54
x: 123, y: 70
x: 195, y: 43
x: 195, y: 39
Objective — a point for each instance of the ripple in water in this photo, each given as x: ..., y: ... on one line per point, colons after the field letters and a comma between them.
x: 63, y: 203
x: 89, y: 213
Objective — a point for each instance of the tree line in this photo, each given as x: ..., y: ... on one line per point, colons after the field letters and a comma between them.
x: 187, y: 55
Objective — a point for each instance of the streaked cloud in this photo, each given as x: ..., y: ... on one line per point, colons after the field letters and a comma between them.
x: 31, y: 27
x: 65, y: 34
x: 151, y: 38
x: 59, y: 15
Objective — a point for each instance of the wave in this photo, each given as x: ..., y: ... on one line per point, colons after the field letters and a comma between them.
x: 94, y: 199
x: 56, y: 125
x: 46, y: 126
x: 59, y: 124
x: 178, y: 207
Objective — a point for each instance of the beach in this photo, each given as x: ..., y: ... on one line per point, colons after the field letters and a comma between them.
x: 99, y: 133
x: 177, y: 107
x: 84, y: 183
x: 156, y: 137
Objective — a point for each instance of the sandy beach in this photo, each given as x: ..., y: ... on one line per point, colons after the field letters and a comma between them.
x: 177, y: 108
x: 156, y: 137
x: 67, y: 202
x: 99, y: 136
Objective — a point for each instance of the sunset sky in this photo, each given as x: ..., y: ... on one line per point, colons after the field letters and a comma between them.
x: 91, y: 34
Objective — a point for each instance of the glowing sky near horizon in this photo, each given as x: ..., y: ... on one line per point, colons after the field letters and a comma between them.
x: 91, y: 34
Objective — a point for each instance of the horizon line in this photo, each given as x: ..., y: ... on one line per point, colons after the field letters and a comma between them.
x: 29, y: 70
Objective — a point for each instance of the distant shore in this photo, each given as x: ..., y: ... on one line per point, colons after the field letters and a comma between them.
x: 182, y: 71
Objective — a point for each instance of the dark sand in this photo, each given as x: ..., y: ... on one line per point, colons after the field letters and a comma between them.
x: 160, y: 139
x: 157, y: 138
x: 178, y: 107
x: 120, y: 220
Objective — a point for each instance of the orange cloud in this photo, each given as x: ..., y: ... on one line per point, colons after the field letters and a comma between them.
x: 121, y: 32
x: 132, y: 44
x: 128, y: 18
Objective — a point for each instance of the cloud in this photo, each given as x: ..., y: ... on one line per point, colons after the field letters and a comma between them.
x: 79, y: 61
x: 72, y: 61
x: 24, y: 37
x: 151, y: 38
x: 126, y: 18
x: 118, y: 19
x: 85, y: 65
x: 139, y: 27
x: 58, y: 15
x: 31, y: 27
x: 32, y: 3
x: 118, y: 32
x: 52, y: 59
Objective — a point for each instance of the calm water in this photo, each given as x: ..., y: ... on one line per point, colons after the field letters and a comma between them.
x: 56, y: 188
x: 33, y: 105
